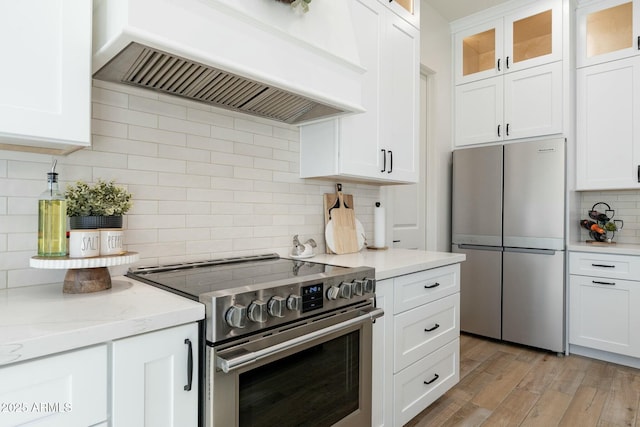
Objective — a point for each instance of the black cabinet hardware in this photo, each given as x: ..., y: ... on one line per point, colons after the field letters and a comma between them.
x: 435, y: 377
x: 435, y: 285
x: 390, y: 161
x: 597, y: 282
x: 384, y: 159
x: 436, y: 326
x: 603, y: 265
x: 189, y: 365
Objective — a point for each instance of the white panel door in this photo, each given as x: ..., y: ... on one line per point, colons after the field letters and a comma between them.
x: 479, y: 112
x: 150, y: 372
x: 533, y: 102
x: 608, y: 149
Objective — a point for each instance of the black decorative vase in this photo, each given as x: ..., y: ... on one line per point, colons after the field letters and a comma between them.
x: 93, y: 222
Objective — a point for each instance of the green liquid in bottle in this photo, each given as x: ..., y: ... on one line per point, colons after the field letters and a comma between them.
x: 52, y: 228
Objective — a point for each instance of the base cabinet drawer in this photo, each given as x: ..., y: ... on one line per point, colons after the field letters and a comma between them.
x: 422, y: 330
x: 422, y: 383
x: 415, y: 289
x: 614, y: 266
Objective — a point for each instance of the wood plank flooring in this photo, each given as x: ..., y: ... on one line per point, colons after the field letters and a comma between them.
x: 509, y: 385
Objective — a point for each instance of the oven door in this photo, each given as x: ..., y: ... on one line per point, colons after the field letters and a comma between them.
x: 310, y: 374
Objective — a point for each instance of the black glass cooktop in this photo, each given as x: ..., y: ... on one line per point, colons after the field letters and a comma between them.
x: 194, y: 279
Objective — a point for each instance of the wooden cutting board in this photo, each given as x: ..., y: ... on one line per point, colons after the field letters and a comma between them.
x: 342, y: 224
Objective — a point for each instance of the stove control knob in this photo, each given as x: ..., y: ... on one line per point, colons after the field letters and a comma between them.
x: 294, y: 302
x: 358, y: 287
x: 369, y: 286
x: 276, y: 306
x: 333, y: 293
x: 257, y: 311
x: 346, y: 290
x: 236, y: 316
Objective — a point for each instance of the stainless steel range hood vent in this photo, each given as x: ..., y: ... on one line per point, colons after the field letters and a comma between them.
x: 153, y: 69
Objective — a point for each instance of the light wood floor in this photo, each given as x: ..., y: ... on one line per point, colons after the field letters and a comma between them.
x: 509, y: 385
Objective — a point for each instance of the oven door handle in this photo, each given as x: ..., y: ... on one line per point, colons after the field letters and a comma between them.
x: 230, y: 364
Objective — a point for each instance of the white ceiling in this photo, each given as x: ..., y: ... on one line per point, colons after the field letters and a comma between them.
x: 456, y: 9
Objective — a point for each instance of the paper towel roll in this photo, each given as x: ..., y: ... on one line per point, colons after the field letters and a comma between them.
x: 378, y: 226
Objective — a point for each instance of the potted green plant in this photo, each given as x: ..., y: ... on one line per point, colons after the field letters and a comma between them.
x: 96, y: 206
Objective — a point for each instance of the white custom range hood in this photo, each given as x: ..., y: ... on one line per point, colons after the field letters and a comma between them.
x: 258, y: 57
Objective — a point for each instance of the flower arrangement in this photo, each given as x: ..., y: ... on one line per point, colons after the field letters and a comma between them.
x: 102, y: 199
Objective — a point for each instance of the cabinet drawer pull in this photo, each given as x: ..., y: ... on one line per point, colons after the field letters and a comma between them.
x: 435, y: 285
x: 638, y: 42
x: 603, y: 265
x: 435, y: 377
x: 384, y: 159
x: 189, y: 365
x: 432, y: 329
x: 597, y: 282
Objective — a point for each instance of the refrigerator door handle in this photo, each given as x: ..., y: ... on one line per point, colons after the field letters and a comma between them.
x: 480, y: 247
x: 532, y: 251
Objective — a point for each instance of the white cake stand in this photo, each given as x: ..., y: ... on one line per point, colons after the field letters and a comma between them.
x: 85, y: 275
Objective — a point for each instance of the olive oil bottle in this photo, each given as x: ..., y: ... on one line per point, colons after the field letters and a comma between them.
x: 52, y: 219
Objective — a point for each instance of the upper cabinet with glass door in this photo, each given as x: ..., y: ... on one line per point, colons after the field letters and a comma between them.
x: 607, y: 30
x: 409, y: 10
x: 526, y: 37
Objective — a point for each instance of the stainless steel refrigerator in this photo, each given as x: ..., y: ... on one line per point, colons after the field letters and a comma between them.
x: 508, y: 206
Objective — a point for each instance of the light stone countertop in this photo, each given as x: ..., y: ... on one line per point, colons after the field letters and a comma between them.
x: 41, y: 320
x: 616, y: 248
x: 391, y: 262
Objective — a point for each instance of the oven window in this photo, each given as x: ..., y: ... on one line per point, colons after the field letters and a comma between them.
x: 315, y: 387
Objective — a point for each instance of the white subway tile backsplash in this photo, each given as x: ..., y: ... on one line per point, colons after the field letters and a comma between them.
x: 185, y: 126
x: 182, y: 207
x: 253, y: 126
x: 106, y: 128
x: 108, y: 144
x: 157, y: 107
x: 160, y: 136
x: 123, y: 115
x: 206, y: 183
x: 22, y: 242
x: 109, y: 97
x: 209, y: 117
x: 231, y: 135
x: 277, y: 143
x: 22, y: 206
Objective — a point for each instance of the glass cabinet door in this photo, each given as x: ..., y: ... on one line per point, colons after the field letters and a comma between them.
x: 606, y: 31
x: 478, y: 52
x: 533, y: 36
x: 409, y: 10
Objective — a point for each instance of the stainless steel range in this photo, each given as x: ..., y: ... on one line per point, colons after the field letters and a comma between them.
x: 288, y: 342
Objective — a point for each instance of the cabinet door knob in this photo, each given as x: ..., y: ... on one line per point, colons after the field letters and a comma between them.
x: 384, y: 159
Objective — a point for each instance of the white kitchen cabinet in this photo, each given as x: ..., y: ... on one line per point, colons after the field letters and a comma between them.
x: 517, y: 105
x: 409, y: 10
x: 607, y: 138
x: 604, y: 296
x: 416, y: 347
x: 67, y: 389
x: 607, y: 30
x: 382, y: 143
x: 153, y: 384
x: 46, y: 78
x: 522, y: 38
